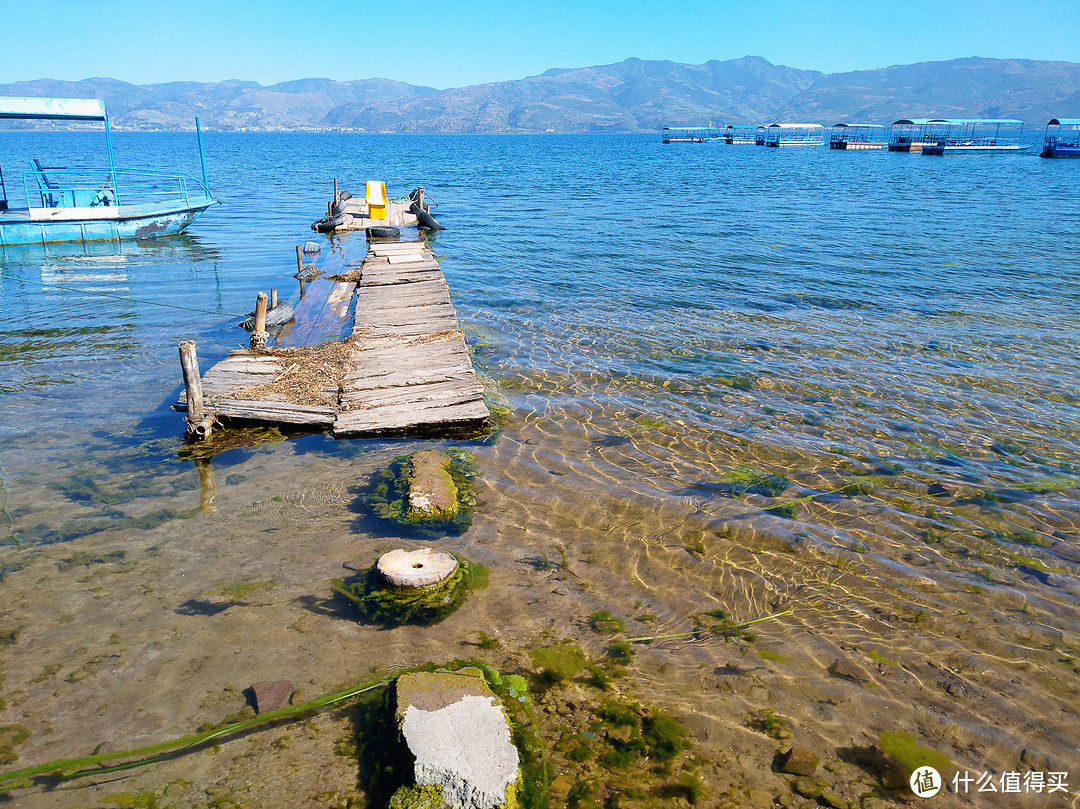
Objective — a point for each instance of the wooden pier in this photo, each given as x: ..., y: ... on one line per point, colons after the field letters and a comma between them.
x: 407, y: 368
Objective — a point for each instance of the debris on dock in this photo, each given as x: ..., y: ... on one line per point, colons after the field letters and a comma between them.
x: 403, y: 368
x: 459, y: 735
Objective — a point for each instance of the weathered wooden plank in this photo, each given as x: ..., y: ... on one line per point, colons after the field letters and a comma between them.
x: 369, y: 423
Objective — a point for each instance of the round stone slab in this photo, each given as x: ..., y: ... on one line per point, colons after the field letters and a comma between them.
x: 415, y: 569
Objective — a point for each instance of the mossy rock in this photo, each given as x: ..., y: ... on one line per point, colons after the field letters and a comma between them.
x: 429, y: 493
x: 415, y: 797
x: 906, y: 755
x: 381, y: 603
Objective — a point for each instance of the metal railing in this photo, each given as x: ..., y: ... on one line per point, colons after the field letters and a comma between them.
x: 93, y: 186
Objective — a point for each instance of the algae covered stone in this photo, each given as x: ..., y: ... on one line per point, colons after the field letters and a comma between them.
x: 380, y: 602
x: 459, y: 734
x: 429, y: 493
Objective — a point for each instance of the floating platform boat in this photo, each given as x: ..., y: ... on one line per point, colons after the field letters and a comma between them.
x: 744, y: 135
x: 1062, y: 138
x: 973, y: 136
x: 857, y: 137
x: 94, y: 203
x: 908, y: 134
x: 783, y: 135
x: 690, y: 134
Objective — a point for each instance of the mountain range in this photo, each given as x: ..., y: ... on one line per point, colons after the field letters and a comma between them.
x: 635, y: 95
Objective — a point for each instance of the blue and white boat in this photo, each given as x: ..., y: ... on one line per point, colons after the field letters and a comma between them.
x: 857, y: 136
x: 794, y: 135
x: 94, y: 203
x: 1062, y: 138
x: 690, y: 134
x: 974, y: 136
x: 742, y: 135
x: 908, y: 134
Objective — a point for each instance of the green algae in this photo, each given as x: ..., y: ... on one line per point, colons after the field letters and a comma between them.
x: 388, y: 497
x: 132, y: 800
x: 416, y: 797
x: 906, y: 755
x: 239, y: 588
x: 559, y: 663
x: 878, y: 656
x: 382, y: 604
x: 11, y: 736
x: 224, y: 440
x: 604, y: 623
x: 747, y: 480
x: 770, y: 723
x: 80, y: 559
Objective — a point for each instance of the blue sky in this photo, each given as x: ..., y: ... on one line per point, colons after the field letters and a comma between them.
x: 443, y: 43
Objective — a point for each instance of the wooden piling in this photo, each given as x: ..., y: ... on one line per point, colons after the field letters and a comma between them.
x: 335, y: 190
x: 258, y: 334
x: 199, y: 425
x: 299, y: 261
x: 273, y: 297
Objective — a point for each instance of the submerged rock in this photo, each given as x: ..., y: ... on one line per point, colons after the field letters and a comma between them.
x: 420, y: 568
x: 460, y: 736
x: 269, y: 696
x: 798, y: 761
x: 432, y: 492
x: 429, y: 493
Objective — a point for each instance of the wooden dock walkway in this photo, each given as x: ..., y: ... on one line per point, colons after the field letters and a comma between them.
x: 408, y: 368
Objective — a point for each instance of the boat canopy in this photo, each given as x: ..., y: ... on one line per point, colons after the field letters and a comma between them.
x: 975, y: 121
x: 918, y: 121
x: 55, y: 109
x: 1064, y: 122
x: 796, y: 126
x: 858, y: 126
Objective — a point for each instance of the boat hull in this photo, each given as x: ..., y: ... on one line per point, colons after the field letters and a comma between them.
x: 56, y: 226
x: 938, y: 149
x: 1061, y: 151
x: 855, y: 145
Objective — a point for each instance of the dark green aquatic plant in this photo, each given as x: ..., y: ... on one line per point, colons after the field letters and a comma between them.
x: 747, y: 480
x: 388, y: 496
x: 906, y: 755
x: 559, y: 663
x: 380, y: 603
x: 605, y: 623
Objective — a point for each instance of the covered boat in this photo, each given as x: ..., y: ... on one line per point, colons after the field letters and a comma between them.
x: 690, y: 134
x: 1062, y: 138
x: 973, y: 136
x: 795, y: 135
x: 857, y: 136
x: 908, y: 134
x: 94, y: 203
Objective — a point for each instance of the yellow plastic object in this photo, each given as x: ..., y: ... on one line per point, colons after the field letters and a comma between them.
x: 376, y: 199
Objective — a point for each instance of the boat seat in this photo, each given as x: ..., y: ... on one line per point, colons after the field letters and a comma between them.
x: 376, y: 199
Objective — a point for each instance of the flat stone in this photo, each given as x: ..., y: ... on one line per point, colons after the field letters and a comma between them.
x: 798, y: 761
x: 269, y: 696
x: 432, y: 492
x: 459, y: 735
x: 416, y: 569
x: 848, y: 670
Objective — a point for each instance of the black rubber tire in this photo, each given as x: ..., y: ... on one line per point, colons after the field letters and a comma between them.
x: 325, y: 225
x: 425, y: 219
x: 339, y: 208
x: 383, y: 232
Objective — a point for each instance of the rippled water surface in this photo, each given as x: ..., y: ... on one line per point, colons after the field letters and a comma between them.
x: 893, y: 336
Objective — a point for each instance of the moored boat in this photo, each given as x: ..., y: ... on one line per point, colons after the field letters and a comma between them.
x: 690, y: 134
x: 1062, y: 138
x: 741, y: 135
x: 94, y: 203
x: 908, y: 134
x: 974, y: 136
x: 795, y: 135
x: 857, y: 136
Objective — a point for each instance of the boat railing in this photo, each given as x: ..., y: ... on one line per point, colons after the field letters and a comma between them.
x: 91, y: 187
x: 967, y: 140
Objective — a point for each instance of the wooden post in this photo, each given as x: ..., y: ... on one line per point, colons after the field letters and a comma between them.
x: 302, y: 289
x: 258, y: 334
x: 299, y: 261
x: 335, y: 190
x: 329, y: 210
x: 199, y: 424
x: 273, y: 297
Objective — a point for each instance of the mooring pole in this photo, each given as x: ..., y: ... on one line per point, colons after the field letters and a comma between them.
x: 258, y: 334
x: 335, y: 189
x: 273, y: 297
x: 199, y: 424
x: 299, y: 261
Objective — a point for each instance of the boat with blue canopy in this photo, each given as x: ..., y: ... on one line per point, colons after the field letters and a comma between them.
x: 908, y: 134
x: 973, y: 136
x: 795, y: 135
x: 857, y: 136
x: 1062, y: 138
x: 690, y: 134
x: 94, y: 203
x: 741, y: 135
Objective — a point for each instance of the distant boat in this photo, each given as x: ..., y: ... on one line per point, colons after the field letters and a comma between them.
x: 794, y: 135
x: 690, y: 134
x: 857, y: 136
x: 94, y: 203
x: 973, y: 136
x: 742, y: 135
x: 1063, y: 140
x: 907, y: 134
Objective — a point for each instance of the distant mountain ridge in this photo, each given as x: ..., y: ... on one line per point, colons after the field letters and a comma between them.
x: 634, y: 95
